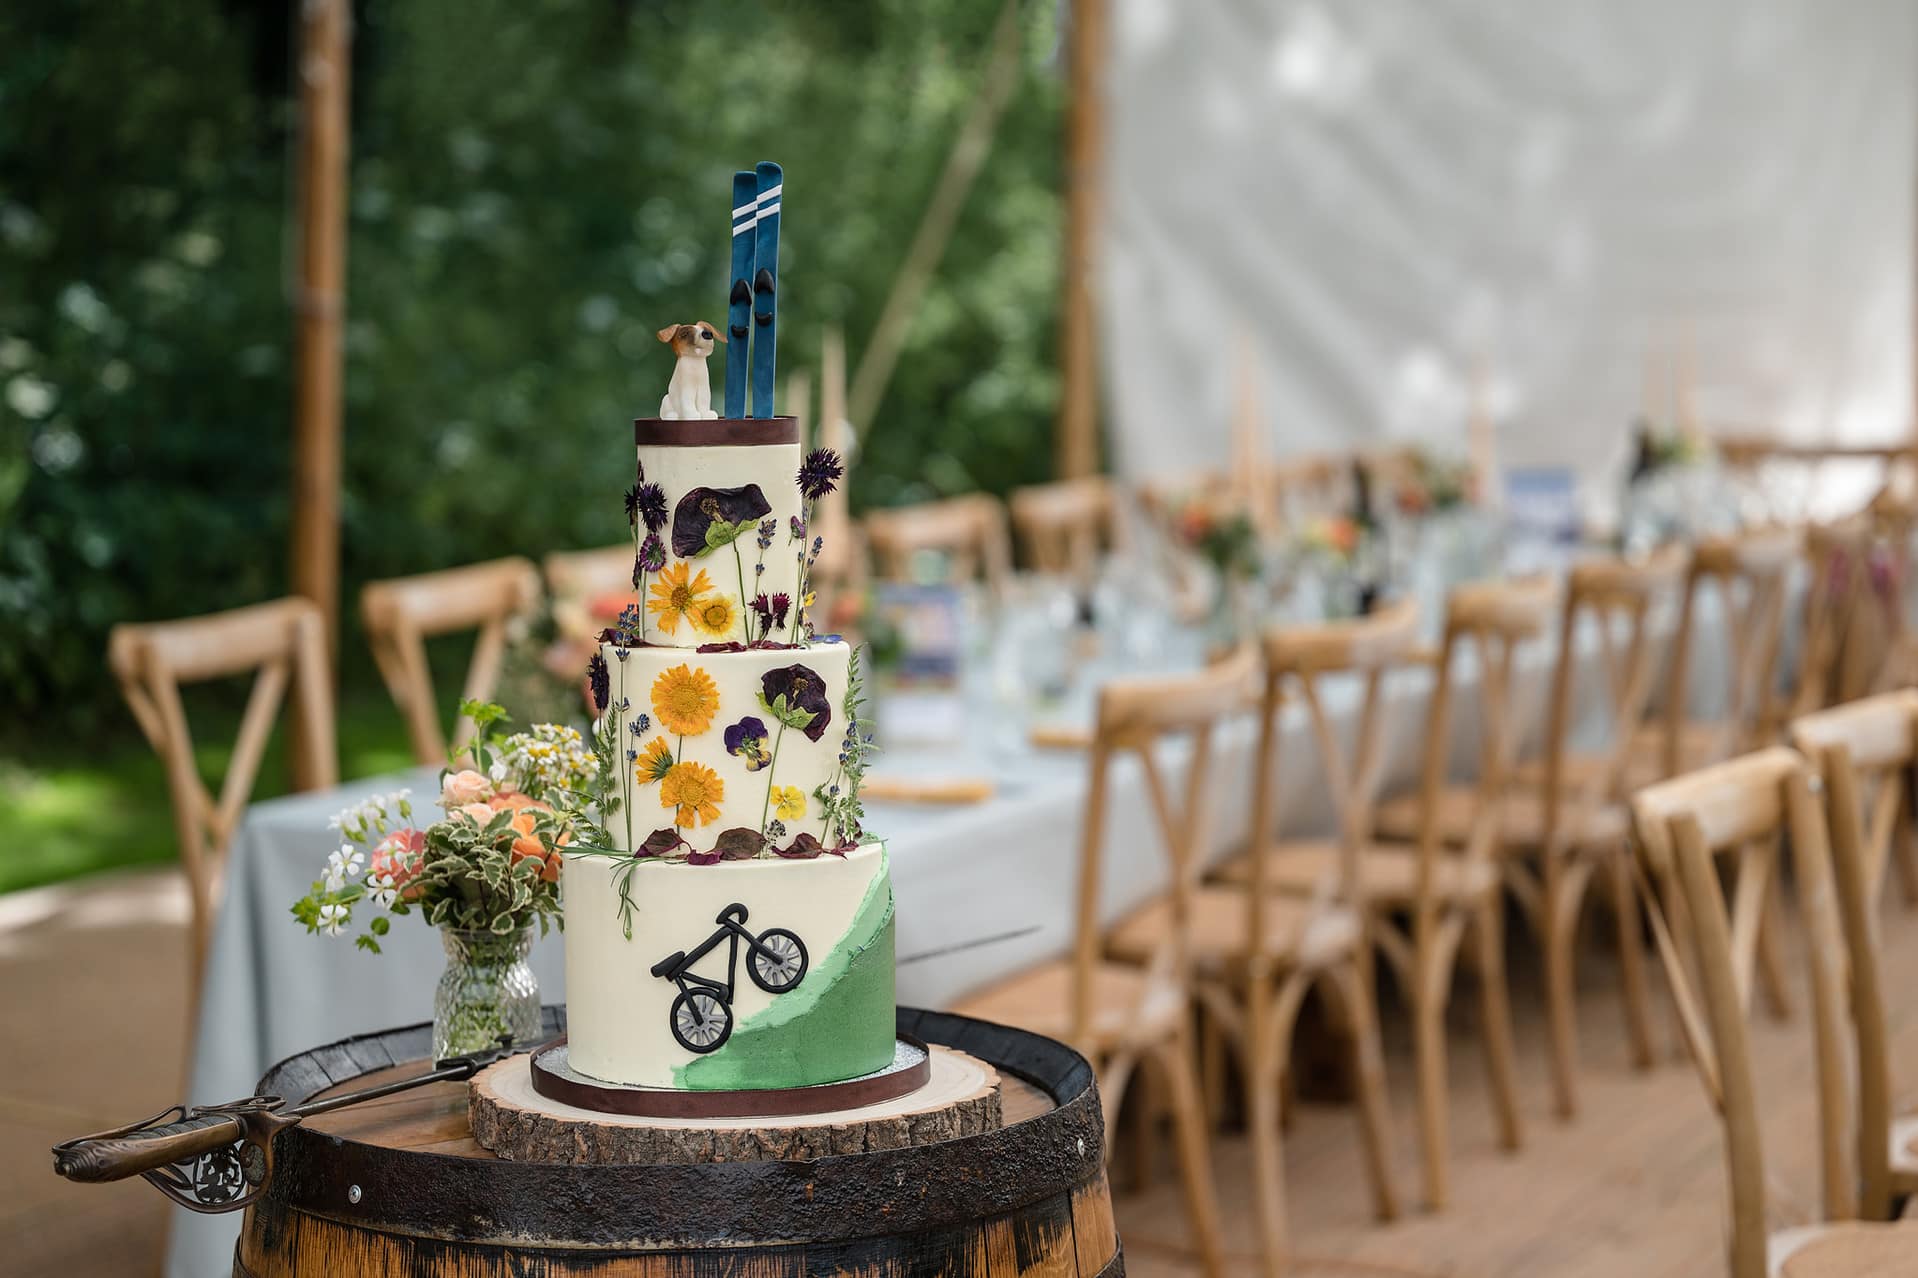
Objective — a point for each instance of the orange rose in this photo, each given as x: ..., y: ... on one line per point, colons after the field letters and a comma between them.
x: 529, y: 844
x: 480, y: 812
x: 462, y: 788
x: 400, y: 854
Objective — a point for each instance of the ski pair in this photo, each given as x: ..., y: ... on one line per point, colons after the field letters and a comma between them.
x: 754, y: 300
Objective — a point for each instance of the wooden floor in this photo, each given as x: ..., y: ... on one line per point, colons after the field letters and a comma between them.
x: 92, y: 1008
x: 1634, y: 1185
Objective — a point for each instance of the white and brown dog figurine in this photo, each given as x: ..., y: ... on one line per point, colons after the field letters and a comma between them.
x: 690, y: 394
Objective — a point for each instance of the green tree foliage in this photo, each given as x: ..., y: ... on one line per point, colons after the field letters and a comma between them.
x: 537, y: 186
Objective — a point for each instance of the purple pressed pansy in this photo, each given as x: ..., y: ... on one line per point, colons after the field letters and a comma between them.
x: 796, y: 696
x: 747, y: 739
x: 700, y: 510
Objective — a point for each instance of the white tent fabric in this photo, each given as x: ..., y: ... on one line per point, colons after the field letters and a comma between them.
x: 1374, y: 198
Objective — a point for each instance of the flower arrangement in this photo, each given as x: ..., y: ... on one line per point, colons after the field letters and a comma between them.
x: 1220, y: 533
x: 490, y: 861
x: 1334, y: 538
x: 1430, y: 484
x: 1665, y: 447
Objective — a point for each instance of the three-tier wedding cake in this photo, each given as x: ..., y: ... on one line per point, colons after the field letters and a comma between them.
x: 744, y: 939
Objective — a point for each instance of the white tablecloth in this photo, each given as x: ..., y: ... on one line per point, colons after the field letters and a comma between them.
x: 959, y: 873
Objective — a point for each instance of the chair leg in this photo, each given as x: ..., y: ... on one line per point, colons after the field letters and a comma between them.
x: 1904, y: 858
x: 1559, y: 916
x: 1263, y: 1125
x: 1429, y: 994
x: 1496, y: 1003
x: 1142, y: 1149
x: 1212, y: 1066
x: 1195, y: 1170
x: 1771, y: 959
x: 1368, y: 1080
x: 1631, y: 959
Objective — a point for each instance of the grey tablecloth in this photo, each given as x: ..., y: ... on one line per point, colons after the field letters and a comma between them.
x: 959, y: 873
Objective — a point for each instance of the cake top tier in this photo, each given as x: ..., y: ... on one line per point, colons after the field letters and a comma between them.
x: 720, y: 511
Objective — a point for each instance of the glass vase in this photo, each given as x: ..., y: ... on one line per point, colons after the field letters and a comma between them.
x: 487, y: 990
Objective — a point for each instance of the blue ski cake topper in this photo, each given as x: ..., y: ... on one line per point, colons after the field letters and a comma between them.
x: 752, y: 313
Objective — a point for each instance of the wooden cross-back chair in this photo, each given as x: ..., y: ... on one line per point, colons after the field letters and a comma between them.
x: 283, y: 644
x: 968, y: 531
x: 1123, y: 1014
x: 1561, y: 817
x: 1866, y: 753
x: 1686, y: 827
x: 1423, y: 895
x: 1750, y: 573
x: 1063, y: 527
x: 584, y: 574
x: 1256, y: 951
x: 402, y: 612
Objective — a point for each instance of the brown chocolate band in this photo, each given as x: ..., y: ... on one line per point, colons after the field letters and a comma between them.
x: 777, y: 1102
x: 716, y: 431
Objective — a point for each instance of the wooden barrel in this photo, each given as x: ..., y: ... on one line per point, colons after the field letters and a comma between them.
x: 399, y: 1186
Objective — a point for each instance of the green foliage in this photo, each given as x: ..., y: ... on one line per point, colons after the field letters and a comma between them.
x: 537, y: 186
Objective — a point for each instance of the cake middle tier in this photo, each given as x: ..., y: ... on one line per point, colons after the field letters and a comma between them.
x: 732, y: 532
x: 721, y: 741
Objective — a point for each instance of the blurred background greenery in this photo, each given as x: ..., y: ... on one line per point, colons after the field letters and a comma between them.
x: 537, y: 186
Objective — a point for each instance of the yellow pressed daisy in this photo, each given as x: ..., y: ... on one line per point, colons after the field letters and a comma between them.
x: 674, y: 596
x: 715, y: 616
x: 695, y: 790
x: 789, y: 803
x: 655, y: 763
x: 685, y: 700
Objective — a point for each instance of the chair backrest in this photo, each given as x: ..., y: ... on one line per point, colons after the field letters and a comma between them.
x: 1063, y: 527
x: 401, y: 612
x: 1685, y: 827
x: 1135, y: 715
x: 585, y: 574
x: 1751, y: 572
x: 1495, y: 622
x: 1866, y: 753
x: 970, y: 531
x: 1298, y: 659
x: 283, y: 644
x: 1615, y: 602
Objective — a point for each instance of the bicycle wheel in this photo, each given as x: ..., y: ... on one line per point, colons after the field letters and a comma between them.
x: 778, y: 961
x: 701, y: 1021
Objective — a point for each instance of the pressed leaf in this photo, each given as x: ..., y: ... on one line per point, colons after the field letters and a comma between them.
x: 805, y: 847
x: 739, y: 843
x: 660, y: 843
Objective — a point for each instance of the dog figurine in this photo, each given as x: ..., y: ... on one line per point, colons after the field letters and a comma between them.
x: 690, y: 394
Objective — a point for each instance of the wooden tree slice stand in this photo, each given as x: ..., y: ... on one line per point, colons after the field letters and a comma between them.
x: 510, y: 1117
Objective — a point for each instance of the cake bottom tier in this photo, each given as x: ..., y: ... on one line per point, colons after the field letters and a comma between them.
x: 745, y: 974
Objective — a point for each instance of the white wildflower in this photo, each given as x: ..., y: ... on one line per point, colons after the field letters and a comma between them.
x: 343, y: 865
x: 381, y: 890
x: 332, y: 919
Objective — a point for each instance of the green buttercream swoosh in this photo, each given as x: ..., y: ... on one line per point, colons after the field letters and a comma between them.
x: 838, y: 1024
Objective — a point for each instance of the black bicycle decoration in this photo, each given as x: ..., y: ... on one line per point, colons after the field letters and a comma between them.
x: 701, y: 1017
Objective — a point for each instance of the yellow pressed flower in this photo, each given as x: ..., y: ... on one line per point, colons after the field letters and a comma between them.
x: 674, y: 596
x: 655, y: 763
x: 715, y: 616
x: 695, y: 790
x: 685, y: 700
x: 789, y: 803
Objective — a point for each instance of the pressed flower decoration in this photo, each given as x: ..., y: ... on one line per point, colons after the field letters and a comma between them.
x: 656, y: 762
x: 796, y: 696
x: 747, y: 740
x: 715, y: 617
x: 695, y: 790
x: 685, y: 699
x: 789, y: 802
x: 708, y: 518
x: 678, y: 592
x: 598, y: 680
x: 819, y: 475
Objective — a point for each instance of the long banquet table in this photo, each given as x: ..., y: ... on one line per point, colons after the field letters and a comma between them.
x: 960, y: 873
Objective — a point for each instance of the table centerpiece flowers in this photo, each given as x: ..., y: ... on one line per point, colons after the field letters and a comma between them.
x: 485, y: 872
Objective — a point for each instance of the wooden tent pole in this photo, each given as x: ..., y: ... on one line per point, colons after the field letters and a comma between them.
x: 318, y: 307
x: 1076, y: 448
x: 967, y: 157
